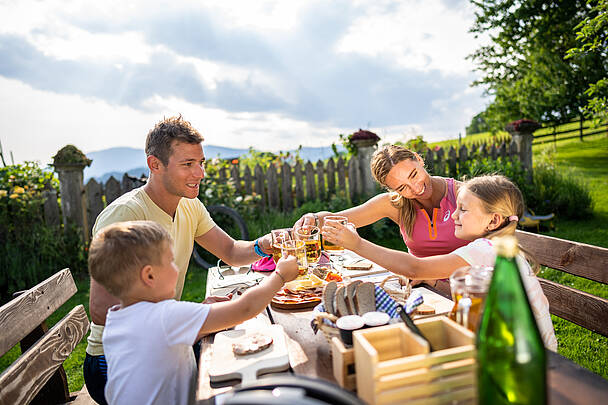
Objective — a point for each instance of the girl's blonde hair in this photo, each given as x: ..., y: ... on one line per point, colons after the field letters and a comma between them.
x: 500, y: 195
x: 382, y: 162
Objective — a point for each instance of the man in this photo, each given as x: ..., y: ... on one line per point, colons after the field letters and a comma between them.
x: 176, y: 161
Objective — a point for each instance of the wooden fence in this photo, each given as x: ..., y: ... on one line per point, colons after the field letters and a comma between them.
x: 286, y: 187
x: 584, y: 129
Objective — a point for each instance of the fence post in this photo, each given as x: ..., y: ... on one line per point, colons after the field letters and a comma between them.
x: 581, y: 127
x: 353, y: 179
x: 273, y: 187
x: 522, y: 133
x: 440, y: 170
x: 234, y: 173
x: 93, y: 193
x: 310, y: 182
x: 51, y: 207
x: 248, y: 180
x: 299, y: 183
x: 259, y: 185
x: 72, y: 196
x: 341, y: 174
x: 452, y: 161
x: 320, y: 180
x: 286, y: 187
x: 331, y: 177
x: 366, y: 147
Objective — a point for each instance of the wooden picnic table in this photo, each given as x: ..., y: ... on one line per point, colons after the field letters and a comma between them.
x: 310, y: 355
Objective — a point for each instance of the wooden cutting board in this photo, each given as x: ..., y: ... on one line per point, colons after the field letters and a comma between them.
x: 225, y: 365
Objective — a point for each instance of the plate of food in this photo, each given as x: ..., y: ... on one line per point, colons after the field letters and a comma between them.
x: 303, y: 292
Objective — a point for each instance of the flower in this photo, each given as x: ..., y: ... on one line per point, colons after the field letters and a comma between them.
x: 19, y: 190
x: 13, y: 196
x: 3, y: 193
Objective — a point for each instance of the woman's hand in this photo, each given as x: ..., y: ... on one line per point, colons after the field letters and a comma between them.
x: 341, y: 235
x: 306, y: 219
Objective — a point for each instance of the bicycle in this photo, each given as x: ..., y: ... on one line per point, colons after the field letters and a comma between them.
x: 231, y: 222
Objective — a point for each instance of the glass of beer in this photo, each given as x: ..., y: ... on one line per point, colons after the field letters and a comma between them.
x: 278, y: 237
x: 329, y: 247
x: 311, y: 236
x: 469, y: 286
x: 296, y: 248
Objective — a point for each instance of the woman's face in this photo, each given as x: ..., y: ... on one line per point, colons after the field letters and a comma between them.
x: 410, y: 180
x: 470, y: 218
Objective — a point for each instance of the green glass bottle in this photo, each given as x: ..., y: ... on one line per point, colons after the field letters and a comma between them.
x: 512, y: 363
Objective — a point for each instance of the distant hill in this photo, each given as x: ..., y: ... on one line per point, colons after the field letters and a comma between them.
x: 117, y: 161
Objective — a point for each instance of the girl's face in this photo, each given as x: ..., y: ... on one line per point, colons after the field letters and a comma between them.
x: 470, y: 219
x: 410, y: 180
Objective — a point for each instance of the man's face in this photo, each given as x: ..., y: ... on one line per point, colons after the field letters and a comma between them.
x: 186, y: 168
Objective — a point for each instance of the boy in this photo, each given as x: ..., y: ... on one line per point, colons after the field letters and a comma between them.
x: 148, y: 337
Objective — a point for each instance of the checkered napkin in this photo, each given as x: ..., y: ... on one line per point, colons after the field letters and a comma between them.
x: 384, y: 303
x: 414, y: 300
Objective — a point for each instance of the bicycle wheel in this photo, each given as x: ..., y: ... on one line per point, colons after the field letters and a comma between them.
x: 231, y: 222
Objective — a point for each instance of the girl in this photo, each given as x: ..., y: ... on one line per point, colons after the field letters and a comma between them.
x: 487, y: 206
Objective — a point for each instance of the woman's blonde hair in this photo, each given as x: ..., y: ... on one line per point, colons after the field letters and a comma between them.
x: 382, y: 162
x: 500, y: 195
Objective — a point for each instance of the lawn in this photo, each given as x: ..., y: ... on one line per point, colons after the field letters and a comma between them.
x: 588, y: 159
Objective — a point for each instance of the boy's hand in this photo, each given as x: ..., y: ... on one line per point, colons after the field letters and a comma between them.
x: 288, y: 268
x: 217, y: 298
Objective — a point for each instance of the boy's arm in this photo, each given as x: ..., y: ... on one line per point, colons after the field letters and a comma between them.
x: 223, y: 315
x: 232, y: 252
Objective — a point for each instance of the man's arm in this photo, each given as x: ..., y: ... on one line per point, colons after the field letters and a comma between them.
x: 232, y: 252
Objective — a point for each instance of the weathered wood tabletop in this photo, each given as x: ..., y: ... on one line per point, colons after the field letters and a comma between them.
x: 309, y: 355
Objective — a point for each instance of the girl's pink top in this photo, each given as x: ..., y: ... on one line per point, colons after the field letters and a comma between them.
x: 435, y: 236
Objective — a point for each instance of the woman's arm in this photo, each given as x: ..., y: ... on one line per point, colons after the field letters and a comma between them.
x: 372, y: 210
x: 434, y: 267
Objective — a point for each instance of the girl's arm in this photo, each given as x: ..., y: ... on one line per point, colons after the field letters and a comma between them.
x: 433, y: 267
x: 372, y: 210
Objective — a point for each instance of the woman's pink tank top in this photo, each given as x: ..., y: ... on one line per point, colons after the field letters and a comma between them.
x: 435, y: 236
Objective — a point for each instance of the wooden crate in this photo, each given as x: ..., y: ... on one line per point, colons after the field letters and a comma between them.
x: 343, y: 360
x: 393, y: 365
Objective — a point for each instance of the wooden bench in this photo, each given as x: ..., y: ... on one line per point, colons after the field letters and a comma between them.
x: 37, y: 376
x: 578, y: 259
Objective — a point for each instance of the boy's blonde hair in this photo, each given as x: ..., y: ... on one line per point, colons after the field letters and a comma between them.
x: 382, y: 162
x: 120, y: 250
x: 500, y: 195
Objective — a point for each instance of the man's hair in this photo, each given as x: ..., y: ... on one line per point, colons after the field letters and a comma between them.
x: 120, y: 250
x: 161, y: 138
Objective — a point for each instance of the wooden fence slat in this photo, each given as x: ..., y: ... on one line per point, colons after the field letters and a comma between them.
x: 259, y: 185
x: 320, y: 180
x: 331, y: 177
x: 21, y: 315
x: 579, y: 259
x: 513, y: 150
x: 112, y: 190
x: 52, y: 215
x: 234, y: 175
x: 577, y: 306
x: 463, y: 155
x: 248, y: 181
x: 286, y: 187
x: 21, y: 381
x: 273, y: 187
x: 503, y: 150
x: 452, y: 161
x: 440, y: 166
x: 299, y: 183
x: 494, y: 152
x: 429, y: 158
x: 353, y: 179
x: 93, y: 195
x: 341, y: 175
x: 310, y: 182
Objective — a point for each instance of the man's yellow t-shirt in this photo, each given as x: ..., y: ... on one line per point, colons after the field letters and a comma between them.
x: 191, y: 221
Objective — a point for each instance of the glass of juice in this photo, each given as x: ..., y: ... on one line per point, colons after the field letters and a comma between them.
x: 472, y: 283
x: 311, y: 236
x: 298, y: 249
x: 278, y: 237
x: 329, y: 247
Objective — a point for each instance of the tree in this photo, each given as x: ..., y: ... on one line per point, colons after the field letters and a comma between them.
x: 524, y: 67
x: 592, y: 34
x: 478, y: 124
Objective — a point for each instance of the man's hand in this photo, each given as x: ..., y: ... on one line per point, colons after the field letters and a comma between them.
x: 217, y: 298
x: 306, y: 219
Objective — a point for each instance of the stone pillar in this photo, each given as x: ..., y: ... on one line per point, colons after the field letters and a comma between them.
x: 365, y: 150
x: 522, y: 132
x: 71, y: 189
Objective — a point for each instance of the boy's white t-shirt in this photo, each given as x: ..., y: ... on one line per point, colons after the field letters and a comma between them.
x: 480, y: 252
x: 148, y: 348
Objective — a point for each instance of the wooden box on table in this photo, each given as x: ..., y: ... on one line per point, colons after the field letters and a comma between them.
x: 393, y: 365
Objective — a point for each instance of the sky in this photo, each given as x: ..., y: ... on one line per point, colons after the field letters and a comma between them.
x: 268, y: 74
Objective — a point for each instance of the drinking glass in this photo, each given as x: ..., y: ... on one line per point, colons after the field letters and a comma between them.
x: 310, y: 235
x: 278, y: 237
x: 298, y: 249
x: 329, y: 247
x: 469, y: 286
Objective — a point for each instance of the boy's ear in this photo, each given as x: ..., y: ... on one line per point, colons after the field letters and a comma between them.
x: 146, y: 275
x: 495, y: 221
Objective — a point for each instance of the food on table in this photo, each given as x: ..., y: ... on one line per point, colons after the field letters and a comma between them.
x: 424, y: 309
x: 328, y: 297
x: 340, y: 302
x: 301, y: 297
x: 331, y: 276
x: 358, y: 264
x: 365, y: 298
x: 350, y: 296
x: 252, y: 343
x: 304, y: 282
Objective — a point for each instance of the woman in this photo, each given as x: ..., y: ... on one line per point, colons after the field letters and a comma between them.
x: 422, y: 205
x: 488, y: 207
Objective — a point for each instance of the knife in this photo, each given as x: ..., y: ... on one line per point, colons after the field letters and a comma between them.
x: 410, y: 324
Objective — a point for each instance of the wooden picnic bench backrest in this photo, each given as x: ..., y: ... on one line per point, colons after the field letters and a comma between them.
x: 21, y: 320
x: 579, y: 259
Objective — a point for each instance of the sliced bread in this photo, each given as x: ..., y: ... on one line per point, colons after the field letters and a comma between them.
x: 350, y: 296
x: 329, y: 294
x: 365, y: 298
x: 340, y: 302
